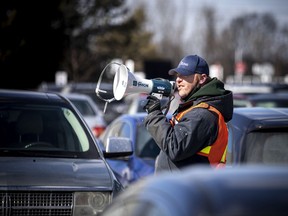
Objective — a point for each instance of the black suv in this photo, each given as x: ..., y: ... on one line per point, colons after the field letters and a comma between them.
x: 51, y: 164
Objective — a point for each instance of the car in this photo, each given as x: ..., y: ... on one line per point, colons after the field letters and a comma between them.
x: 255, y: 87
x: 111, y: 110
x: 275, y: 99
x: 241, y: 100
x: 199, y: 190
x: 141, y: 163
x: 90, y: 111
x: 279, y: 99
x: 258, y: 135
x: 51, y: 164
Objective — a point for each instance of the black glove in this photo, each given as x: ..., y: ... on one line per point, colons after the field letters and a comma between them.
x: 153, y: 103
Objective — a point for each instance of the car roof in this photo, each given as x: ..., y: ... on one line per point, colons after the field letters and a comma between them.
x: 138, y: 115
x: 261, y: 112
x: 135, y: 117
x: 260, y: 117
x: 269, y: 96
x: 30, y: 95
x: 84, y: 97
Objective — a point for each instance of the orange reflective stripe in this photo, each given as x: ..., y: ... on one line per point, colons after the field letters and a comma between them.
x: 216, y: 153
x: 218, y: 147
x: 181, y: 114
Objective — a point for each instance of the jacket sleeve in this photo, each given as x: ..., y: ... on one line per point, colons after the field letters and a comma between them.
x: 197, y: 129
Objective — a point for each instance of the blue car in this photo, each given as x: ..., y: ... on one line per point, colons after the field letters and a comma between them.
x: 145, y: 150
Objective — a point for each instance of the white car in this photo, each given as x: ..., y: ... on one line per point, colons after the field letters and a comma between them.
x: 90, y: 112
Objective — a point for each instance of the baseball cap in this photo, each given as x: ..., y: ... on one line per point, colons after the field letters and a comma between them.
x: 189, y: 65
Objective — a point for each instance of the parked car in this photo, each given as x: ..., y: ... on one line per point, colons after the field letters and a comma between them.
x: 51, y: 164
x: 258, y: 135
x: 90, y: 111
x: 241, y: 100
x: 245, y: 190
x: 276, y: 99
x: 255, y: 87
x: 269, y: 100
x: 141, y: 163
x: 113, y: 109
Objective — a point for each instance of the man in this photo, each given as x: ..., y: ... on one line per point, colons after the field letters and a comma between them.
x: 197, y: 133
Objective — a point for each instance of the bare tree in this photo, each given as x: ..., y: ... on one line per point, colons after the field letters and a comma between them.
x: 169, y: 22
x: 257, y: 36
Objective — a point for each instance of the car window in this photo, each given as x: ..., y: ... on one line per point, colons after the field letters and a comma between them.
x: 83, y: 140
x: 54, y: 130
x: 271, y: 103
x: 84, y: 107
x: 267, y: 147
x: 118, y: 129
x: 145, y: 146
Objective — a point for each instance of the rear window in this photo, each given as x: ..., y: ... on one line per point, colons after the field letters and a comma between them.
x: 84, y: 107
x: 268, y: 147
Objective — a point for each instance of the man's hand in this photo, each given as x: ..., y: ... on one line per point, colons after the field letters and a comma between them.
x: 152, y: 104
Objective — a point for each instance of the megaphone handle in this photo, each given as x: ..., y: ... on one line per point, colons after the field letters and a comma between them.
x: 105, y: 106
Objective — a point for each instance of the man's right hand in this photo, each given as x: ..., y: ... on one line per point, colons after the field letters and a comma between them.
x: 153, y: 103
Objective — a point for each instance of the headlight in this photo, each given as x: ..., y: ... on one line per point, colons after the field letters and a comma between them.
x: 90, y: 203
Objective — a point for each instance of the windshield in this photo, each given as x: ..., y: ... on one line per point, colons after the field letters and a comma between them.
x: 45, y: 130
x: 83, y: 106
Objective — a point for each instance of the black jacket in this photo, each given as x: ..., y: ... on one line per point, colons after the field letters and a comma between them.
x: 197, y: 129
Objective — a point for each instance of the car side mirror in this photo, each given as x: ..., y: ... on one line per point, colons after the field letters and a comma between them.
x: 118, y: 147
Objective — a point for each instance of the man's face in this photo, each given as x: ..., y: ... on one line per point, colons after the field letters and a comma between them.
x: 185, y: 84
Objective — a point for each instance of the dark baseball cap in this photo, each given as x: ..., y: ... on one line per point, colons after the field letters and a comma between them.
x: 189, y: 65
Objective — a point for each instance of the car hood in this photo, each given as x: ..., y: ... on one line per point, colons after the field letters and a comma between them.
x: 54, y: 172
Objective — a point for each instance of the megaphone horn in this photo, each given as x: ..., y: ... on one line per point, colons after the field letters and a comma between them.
x: 126, y: 83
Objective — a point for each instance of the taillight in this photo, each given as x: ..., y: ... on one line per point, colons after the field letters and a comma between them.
x: 97, y: 131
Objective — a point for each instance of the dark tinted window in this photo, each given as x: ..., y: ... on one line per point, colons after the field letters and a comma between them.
x: 43, y: 128
x: 267, y: 147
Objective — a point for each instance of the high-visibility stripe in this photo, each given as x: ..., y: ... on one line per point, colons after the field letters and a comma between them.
x: 216, y: 153
x: 207, y: 149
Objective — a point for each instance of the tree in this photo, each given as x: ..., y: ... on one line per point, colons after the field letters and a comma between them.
x: 108, y: 31
x: 31, y: 42
x: 169, y: 23
x: 259, y: 39
x: 79, y: 37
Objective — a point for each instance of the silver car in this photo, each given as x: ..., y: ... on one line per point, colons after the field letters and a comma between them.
x: 90, y: 111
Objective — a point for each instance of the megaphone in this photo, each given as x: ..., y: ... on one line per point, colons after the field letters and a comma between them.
x: 126, y: 83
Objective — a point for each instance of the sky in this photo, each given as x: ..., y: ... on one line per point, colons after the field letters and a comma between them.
x: 228, y: 9
x: 186, y: 16
x: 231, y: 9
